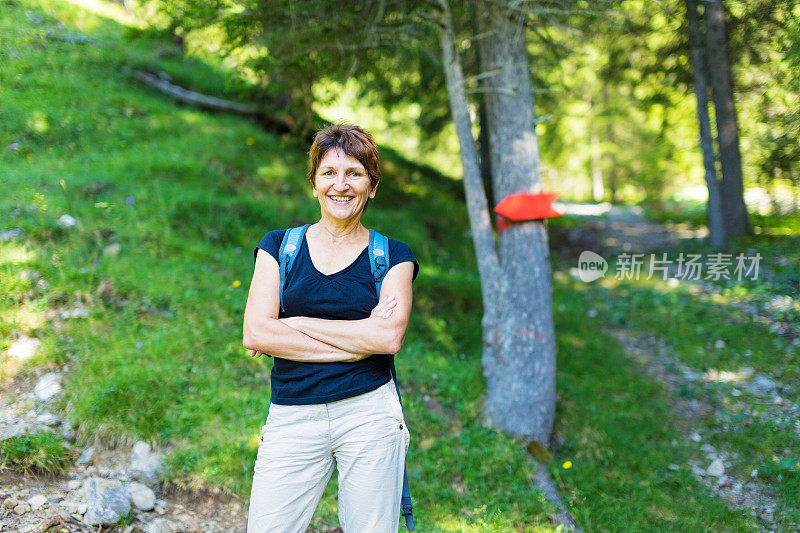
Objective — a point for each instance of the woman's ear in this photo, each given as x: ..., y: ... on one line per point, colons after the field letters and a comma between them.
x: 374, y: 190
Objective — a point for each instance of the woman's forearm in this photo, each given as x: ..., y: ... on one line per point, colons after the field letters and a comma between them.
x: 366, y: 336
x: 273, y: 337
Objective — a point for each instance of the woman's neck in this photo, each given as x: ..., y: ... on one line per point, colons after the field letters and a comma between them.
x: 339, y: 232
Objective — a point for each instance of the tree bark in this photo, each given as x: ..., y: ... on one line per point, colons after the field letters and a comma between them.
x: 508, y: 363
x: 598, y: 193
x: 613, y: 173
x: 521, y: 384
x: 716, y: 224
x: 477, y: 206
x: 733, y: 206
x: 483, y: 118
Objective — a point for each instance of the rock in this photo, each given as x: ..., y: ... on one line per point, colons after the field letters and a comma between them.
x: 20, y: 428
x: 10, y: 502
x: 716, y: 468
x: 142, y: 497
x: 161, y: 506
x: 720, y: 344
x: 736, y: 392
x: 159, y: 525
x: 106, y: 290
x: 22, y: 508
x: 69, y: 505
x: 13, y: 147
x: 82, y: 508
x: 10, y: 234
x: 76, y: 312
x: 68, y: 434
x: 47, y: 386
x: 29, y: 275
x: 145, y: 465
x: 112, y: 250
x: 761, y: 386
x: 48, y: 419
x: 37, y: 501
x: 86, y: 456
x: 107, y: 501
x: 24, y: 348
x: 74, y: 484
x: 696, y: 437
x: 66, y: 221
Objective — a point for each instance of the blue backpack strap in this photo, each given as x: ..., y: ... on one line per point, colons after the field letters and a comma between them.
x: 406, y: 508
x: 378, y: 257
x: 379, y: 264
x: 287, y: 253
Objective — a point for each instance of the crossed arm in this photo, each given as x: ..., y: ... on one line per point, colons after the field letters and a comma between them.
x: 324, y: 341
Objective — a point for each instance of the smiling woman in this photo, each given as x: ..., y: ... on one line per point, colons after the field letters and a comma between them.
x: 333, y: 403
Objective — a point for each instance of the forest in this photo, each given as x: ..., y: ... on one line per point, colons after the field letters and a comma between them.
x: 603, y: 197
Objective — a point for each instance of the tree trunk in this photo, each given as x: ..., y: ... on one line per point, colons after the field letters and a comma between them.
x: 733, y: 206
x: 597, y: 171
x: 501, y: 366
x: 477, y: 207
x: 521, y: 384
x: 716, y: 225
x: 613, y: 173
x: 483, y: 144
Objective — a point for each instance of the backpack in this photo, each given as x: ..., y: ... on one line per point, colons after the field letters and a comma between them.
x: 379, y: 264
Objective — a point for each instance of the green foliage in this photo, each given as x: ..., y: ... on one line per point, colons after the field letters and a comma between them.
x: 39, y: 453
x: 159, y: 355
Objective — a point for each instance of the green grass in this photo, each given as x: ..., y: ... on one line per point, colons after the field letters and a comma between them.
x: 38, y: 453
x: 620, y: 436
x: 170, y: 202
x: 691, y: 327
x: 775, y: 237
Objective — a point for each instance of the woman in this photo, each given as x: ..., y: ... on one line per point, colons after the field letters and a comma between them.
x: 333, y: 401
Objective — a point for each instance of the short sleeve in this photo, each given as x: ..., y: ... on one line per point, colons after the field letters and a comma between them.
x: 399, y: 252
x: 270, y: 243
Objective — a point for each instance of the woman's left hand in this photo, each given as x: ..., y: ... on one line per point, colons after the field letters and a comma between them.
x: 384, y: 308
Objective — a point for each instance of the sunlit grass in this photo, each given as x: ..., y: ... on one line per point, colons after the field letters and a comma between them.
x: 715, y: 339
x: 170, y: 202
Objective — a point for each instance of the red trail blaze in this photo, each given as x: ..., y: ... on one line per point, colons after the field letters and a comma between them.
x: 524, y: 206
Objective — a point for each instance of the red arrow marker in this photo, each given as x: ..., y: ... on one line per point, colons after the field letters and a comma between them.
x: 524, y: 206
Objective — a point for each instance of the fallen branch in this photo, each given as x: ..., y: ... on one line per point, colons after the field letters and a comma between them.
x: 280, y: 122
x: 62, y: 522
x: 191, y: 97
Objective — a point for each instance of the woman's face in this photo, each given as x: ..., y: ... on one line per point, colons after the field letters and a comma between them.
x: 342, y: 185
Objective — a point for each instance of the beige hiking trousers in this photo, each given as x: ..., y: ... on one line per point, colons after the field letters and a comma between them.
x: 365, y: 438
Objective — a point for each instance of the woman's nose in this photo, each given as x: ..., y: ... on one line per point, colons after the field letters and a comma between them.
x: 341, y: 181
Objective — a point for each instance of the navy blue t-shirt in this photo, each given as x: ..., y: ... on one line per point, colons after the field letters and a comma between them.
x: 349, y: 294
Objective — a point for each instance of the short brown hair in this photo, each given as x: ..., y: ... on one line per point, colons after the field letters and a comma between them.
x: 353, y: 141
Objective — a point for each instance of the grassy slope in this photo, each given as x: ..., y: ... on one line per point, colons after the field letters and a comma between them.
x: 159, y: 356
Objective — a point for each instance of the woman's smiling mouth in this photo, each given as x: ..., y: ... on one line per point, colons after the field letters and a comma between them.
x: 341, y: 200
